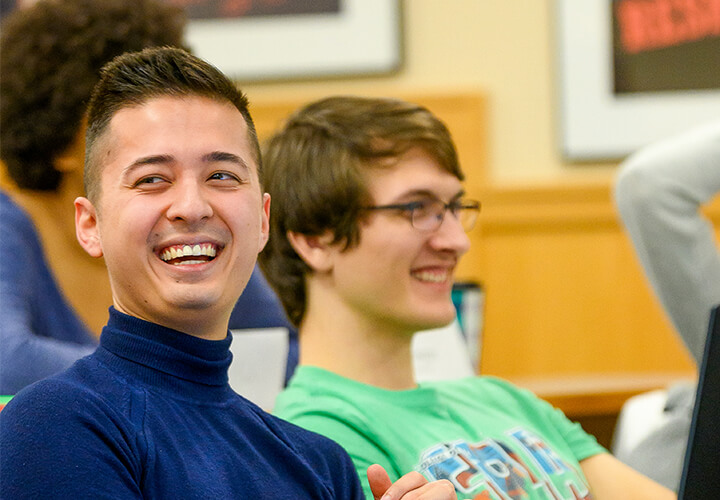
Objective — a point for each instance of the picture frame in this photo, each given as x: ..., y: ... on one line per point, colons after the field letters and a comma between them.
x: 595, y: 123
x: 363, y: 38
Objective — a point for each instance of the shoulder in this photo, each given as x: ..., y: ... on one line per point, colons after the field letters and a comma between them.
x: 302, y: 439
x: 74, y: 393
x: 298, y: 437
x: 18, y: 231
x: 324, y: 456
x: 345, y: 411
x: 485, y: 386
x: 498, y: 395
x: 70, y: 433
x: 70, y: 403
x: 308, y: 388
x: 39, y: 419
x: 11, y: 215
x: 316, y: 398
x: 7, y: 205
x: 639, y: 181
x: 679, y: 160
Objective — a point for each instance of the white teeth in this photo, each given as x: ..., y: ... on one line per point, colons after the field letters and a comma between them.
x: 197, y: 250
x: 431, y: 277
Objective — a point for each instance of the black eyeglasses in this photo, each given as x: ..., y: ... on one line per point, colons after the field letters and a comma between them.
x: 428, y: 214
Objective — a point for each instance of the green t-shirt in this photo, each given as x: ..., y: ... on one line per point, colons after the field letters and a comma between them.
x: 490, y: 438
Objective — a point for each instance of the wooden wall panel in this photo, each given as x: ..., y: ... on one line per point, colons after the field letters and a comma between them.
x: 565, y: 292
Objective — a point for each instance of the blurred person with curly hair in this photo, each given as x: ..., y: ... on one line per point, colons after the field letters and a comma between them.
x: 51, y: 53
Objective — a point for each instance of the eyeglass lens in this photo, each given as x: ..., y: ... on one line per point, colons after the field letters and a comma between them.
x: 430, y: 215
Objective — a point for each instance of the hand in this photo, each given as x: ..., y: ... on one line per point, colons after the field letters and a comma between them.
x: 412, y: 485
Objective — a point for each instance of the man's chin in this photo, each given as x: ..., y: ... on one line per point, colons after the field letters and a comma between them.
x: 192, y: 299
x: 439, y: 320
x: 195, y: 304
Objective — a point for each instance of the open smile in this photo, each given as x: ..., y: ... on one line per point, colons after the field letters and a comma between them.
x: 432, y: 276
x: 183, y: 255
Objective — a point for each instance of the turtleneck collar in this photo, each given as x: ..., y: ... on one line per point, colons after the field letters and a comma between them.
x: 167, y: 359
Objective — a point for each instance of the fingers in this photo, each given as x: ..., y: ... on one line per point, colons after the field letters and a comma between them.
x: 409, y: 483
x: 379, y: 480
x: 411, y: 486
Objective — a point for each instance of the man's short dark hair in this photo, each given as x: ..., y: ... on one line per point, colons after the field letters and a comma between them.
x: 132, y: 79
x: 50, y: 59
x: 316, y: 169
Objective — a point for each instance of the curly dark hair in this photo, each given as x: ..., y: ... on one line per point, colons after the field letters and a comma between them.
x: 50, y: 59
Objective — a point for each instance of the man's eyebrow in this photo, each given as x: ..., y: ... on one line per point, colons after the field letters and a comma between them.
x: 427, y: 193
x: 223, y: 156
x: 148, y: 160
x: 215, y: 156
x: 458, y: 195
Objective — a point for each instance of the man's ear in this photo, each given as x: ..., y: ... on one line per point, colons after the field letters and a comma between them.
x: 264, y: 222
x: 86, y: 227
x: 316, y: 251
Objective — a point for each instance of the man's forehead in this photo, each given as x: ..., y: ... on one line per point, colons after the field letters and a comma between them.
x: 414, y: 172
x: 146, y: 129
x: 176, y: 111
x: 167, y: 101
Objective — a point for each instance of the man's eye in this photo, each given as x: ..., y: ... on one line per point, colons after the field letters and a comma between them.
x: 150, y: 179
x: 417, y: 205
x: 223, y: 176
x: 422, y: 207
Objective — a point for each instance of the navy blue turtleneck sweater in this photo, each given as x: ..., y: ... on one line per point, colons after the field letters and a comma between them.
x: 151, y: 415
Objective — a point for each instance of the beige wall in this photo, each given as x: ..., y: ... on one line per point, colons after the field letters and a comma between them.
x: 502, y: 48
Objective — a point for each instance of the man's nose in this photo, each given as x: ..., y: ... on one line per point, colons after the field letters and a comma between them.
x: 190, y: 202
x: 451, y: 235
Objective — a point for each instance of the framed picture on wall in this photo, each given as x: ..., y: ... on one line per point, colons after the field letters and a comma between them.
x: 252, y: 40
x: 631, y: 72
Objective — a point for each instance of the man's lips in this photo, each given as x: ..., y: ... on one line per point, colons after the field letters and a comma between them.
x: 189, y: 253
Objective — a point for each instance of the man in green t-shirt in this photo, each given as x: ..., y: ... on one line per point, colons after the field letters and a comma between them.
x: 369, y: 221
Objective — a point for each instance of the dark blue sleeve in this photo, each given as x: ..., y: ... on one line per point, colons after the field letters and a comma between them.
x: 56, y: 443
x: 40, y: 334
x: 354, y: 487
x: 342, y: 471
x: 330, y: 462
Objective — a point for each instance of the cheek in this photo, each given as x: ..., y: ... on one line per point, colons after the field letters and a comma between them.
x: 394, y: 249
x: 130, y: 227
x: 248, y: 222
x: 381, y: 263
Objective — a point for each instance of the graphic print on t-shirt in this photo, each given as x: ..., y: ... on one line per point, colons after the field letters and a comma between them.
x: 523, y: 466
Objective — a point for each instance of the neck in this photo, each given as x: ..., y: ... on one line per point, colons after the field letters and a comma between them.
x: 350, y: 344
x: 203, y: 324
